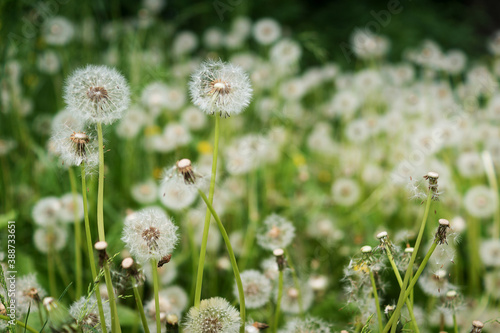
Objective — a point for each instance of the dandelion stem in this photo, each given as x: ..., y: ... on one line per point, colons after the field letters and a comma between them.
x: 78, y: 237
x: 156, y: 288
x: 100, y: 194
x: 203, y: 250
x: 51, y: 270
x: 253, y: 214
x: 409, y: 302
x: 40, y: 314
x: 295, y: 282
x: 278, y: 302
x: 20, y: 324
x: 410, y: 266
x: 455, y: 326
x: 230, y: 251
x: 115, y: 323
x: 138, y: 301
x: 90, y: 250
x: 377, y: 304
x: 492, y: 179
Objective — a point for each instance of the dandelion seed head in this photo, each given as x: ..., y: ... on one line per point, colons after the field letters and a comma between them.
x: 277, y: 232
x: 86, y: 314
x: 214, y: 315
x: 256, y: 287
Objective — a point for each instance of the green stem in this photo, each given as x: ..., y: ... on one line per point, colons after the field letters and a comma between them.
x: 90, y: 250
x: 455, y: 326
x: 51, y: 271
x: 410, y: 266
x: 40, y: 314
x: 100, y: 193
x: 156, y: 287
x: 138, y: 301
x: 78, y: 237
x: 377, y: 304
x: 412, y: 283
x: 295, y: 281
x: 115, y: 322
x: 492, y: 179
x: 278, y: 302
x: 253, y: 216
x: 409, y: 302
x: 203, y: 250
x: 20, y: 324
x: 473, y: 236
x: 230, y: 251
x: 62, y: 272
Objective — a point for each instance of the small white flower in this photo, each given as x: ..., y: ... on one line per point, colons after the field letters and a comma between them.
x: 214, y: 315
x: 285, y: 53
x: 220, y: 87
x: 149, y: 235
x: 276, y: 233
x: 266, y: 31
x: 213, y: 38
x: 97, y: 94
x: 290, y: 299
x: 48, y: 62
x: 256, y: 287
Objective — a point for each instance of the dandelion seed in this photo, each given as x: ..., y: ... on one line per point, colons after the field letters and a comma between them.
x: 214, y: 315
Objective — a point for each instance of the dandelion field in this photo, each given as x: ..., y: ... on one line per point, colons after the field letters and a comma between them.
x: 158, y: 179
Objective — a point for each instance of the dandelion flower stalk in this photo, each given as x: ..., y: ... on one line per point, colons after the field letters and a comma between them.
x: 280, y: 259
x: 253, y: 213
x: 232, y: 257
x: 51, y: 270
x: 295, y: 282
x: 140, y: 307
x: 156, y: 288
x: 492, y: 179
x: 78, y: 237
x: 201, y: 262
x: 377, y: 304
x: 20, y: 324
x: 410, y: 266
x: 90, y: 249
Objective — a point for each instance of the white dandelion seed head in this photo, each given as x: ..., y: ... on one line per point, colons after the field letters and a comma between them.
x: 46, y: 211
x: 176, y: 134
x: 86, y: 314
x: 308, y: 325
x: 71, y: 205
x: 213, y: 38
x: 194, y: 119
x: 52, y: 237
x: 154, y: 97
x: 172, y: 301
x: 489, y: 252
x: 266, y: 31
x: 215, y: 315
x: 480, y: 201
x: 285, y: 52
x: 28, y: 293
x: 97, y: 94
x: 494, y: 43
x: 145, y: 192
x: 256, y: 287
x: 492, y: 283
x: 134, y: 119
x: 367, y: 45
x: 185, y: 42
x: 149, y: 234
x: 318, y: 282
x: 175, y: 194
x: 277, y: 233
x: 48, y: 62
x: 324, y: 229
x: 470, y: 164
x: 218, y: 87
x: 270, y: 268
x: 435, y: 283
x: 58, y: 31
x: 346, y: 191
x: 290, y: 299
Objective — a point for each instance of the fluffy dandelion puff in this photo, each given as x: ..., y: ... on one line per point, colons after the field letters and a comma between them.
x: 220, y: 87
x: 490, y: 252
x: 149, y: 234
x: 257, y: 288
x: 308, y: 325
x: 69, y: 208
x: 54, y: 237
x: 28, y: 293
x: 46, y: 211
x: 145, y: 192
x: 277, y: 232
x: 97, y: 94
x: 86, y: 314
x: 480, y: 201
x: 290, y: 299
x: 215, y: 315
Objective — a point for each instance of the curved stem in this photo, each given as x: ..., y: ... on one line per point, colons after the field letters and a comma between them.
x: 78, y: 237
x: 295, y: 281
x: 278, y: 302
x: 377, y: 304
x: 140, y: 308
x: 230, y: 251
x: 90, y: 250
x: 156, y: 287
x: 410, y: 266
x: 20, y: 324
x: 203, y: 250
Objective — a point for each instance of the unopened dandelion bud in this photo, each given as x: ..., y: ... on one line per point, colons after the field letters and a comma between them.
x: 442, y: 231
x: 409, y: 250
x: 451, y: 295
x: 172, y: 323
x: 127, y: 263
x: 101, y: 250
x: 280, y: 258
x: 432, y: 177
x: 382, y: 235
x: 477, y: 326
x: 366, y: 249
x: 186, y: 169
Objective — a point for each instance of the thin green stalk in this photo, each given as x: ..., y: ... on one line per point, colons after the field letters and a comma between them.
x: 100, y: 228
x: 62, y: 272
x: 455, y: 325
x: 230, y: 251
x: 203, y: 250
x: 410, y: 266
x: 90, y: 250
x: 278, y: 302
x: 492, y: 179
x: 409, y: 302
x: 295, y: 281
x: 40, y: 314
x: 20, y: 324
x: 140, y: 308
x: 412, y: 283
x: 377, y: 304
x: 115, y: 322
x: 78, y: 237
x: 253, y: 216
x: 472, y: 237
x: 51, y: 271
x: 156, y: 287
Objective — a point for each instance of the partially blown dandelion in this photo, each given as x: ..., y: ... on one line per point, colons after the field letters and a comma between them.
x: 214, y: 315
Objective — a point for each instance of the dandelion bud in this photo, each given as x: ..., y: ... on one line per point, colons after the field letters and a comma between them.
x: 389, y: 309
x: 409, y: 250
x: 442, y: 231
x: 477, y: 327
x: 451, y: 295
x: 432, y: 177
x: 382, y: 235
x: 127, y: 263
x: 366, y: 249
x: 280, y: 258
x: 101, y: 249
x: 172, y: 323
